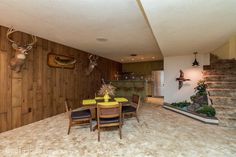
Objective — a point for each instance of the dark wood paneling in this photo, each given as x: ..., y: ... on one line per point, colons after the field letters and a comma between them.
x: 38, y: 91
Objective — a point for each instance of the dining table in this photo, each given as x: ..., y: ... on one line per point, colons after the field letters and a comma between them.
x: 92, y: 103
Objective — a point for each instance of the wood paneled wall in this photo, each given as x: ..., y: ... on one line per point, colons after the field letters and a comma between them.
x: 38, y: 91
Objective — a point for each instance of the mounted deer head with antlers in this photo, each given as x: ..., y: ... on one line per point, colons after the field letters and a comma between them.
x: 20, y: 51
x: 92, y: 63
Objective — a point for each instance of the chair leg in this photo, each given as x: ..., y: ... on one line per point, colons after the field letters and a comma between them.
x: 91, y: 127
x: 123, y: 117
x: 98, y: 134
x: 69, y: 129
x: 120, y: 131
x: 136, y: 117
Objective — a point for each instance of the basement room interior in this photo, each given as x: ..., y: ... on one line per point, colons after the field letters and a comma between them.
x: 118, y: 78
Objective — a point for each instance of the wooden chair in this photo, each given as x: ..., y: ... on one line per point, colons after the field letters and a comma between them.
x: 132, y: 108
x: 109, y: 116
x: 78, y: 117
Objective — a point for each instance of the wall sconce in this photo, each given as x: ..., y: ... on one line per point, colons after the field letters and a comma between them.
x: 195, y: 62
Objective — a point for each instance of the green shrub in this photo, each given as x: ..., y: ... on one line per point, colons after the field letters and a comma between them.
x: 201, y: 88
x: 193, y: 97
x: 181, y: 104
x: 207, y: 110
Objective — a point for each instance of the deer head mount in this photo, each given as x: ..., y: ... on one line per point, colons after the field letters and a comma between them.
x: 92, y: 64
x: 21, y: 52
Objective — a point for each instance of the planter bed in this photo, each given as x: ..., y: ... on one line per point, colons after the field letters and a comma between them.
x: 208, y: 120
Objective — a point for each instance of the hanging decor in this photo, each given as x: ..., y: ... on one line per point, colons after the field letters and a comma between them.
x: 195, y: 62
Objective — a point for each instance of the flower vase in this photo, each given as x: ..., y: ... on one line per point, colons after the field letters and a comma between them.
x: 106, y: 97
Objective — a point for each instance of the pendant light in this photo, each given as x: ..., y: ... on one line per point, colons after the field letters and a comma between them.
x: 195, y: 62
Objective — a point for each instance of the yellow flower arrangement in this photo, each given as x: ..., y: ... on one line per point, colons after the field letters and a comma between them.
x: 107, y: 89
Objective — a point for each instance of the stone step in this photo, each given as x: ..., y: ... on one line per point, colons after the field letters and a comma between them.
x: 231, y: 115
x: 227, y: 122
x: 229, y: 78
x: 221, y: 84
x: 223, y: 101
x: 224, y: 61
x: 220, y: 67
x: 219, y: 72
x: 222, y: 110
x: 226, y: 117
x: 219, y: 97
x: 224, y: 64
x: 221, y: 92
x: 220, y: 78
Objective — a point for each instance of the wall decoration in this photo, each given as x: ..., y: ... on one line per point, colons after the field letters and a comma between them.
x: 181, y: 79
x: 195, y: 62
x: 21, y: 51
x: 92, y: 64
x: 61, y: 61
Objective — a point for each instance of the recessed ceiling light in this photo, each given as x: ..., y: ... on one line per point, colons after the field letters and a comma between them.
x: 101, y: 39
x: 133, y: 55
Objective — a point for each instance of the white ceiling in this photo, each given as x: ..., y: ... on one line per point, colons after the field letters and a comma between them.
x: 185, y: 26
x: 77, y: 23
x: 178, y: 26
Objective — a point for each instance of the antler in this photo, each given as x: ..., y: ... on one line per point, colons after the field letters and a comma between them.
x: 90, y: 57
x: 10, y: 31
x: 34, y: 40
x: 28, y: 46
x: 93, y: 57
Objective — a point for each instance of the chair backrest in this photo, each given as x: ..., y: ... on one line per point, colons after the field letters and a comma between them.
x: 136, y: 99
x: 68, y: 108
x: 108, y: 111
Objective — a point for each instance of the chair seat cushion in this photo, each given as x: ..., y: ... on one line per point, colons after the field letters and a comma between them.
x: 126, y: 109
x: 80, y: 114
x: 109, y: 120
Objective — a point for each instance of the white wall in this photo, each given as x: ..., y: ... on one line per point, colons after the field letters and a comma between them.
x: 172, y: 65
